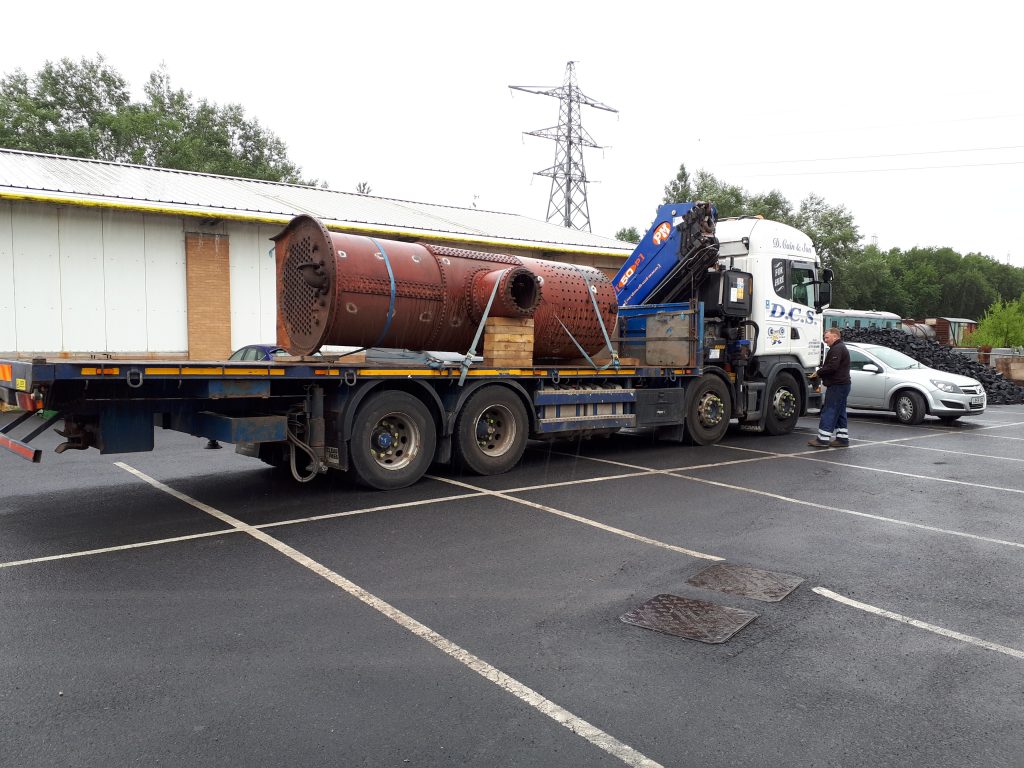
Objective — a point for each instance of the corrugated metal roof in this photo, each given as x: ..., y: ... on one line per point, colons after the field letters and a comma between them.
x: 77, y: 181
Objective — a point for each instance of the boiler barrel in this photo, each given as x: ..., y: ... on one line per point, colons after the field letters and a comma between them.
x: 350, y: 290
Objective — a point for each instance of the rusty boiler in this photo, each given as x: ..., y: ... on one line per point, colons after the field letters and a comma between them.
x: 349, y: 290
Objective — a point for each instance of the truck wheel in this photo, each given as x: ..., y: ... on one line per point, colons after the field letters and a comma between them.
x: 709, y: 410
x: 783, y: 406
x: 393, y: 440
x: 909, y: 407
x: 491, y: 431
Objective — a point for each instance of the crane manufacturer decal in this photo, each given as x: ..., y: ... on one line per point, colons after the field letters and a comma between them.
x: 661, y: 234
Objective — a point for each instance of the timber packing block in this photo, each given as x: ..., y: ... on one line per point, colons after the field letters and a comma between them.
x: 767, y: 586
x: 692, y: 619
x: 508, y: 342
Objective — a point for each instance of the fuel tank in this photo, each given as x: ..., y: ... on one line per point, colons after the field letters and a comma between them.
x: 350, y: 290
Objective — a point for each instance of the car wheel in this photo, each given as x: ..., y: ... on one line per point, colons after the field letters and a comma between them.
x: 909, y: 407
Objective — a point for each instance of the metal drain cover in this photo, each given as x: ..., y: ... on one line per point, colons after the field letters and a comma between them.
x: 692, y: 619
x: 746, y: 582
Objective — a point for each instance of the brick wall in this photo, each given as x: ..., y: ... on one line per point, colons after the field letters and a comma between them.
x: 209, y: 296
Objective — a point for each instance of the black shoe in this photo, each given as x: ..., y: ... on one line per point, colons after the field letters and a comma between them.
x: 819, y: 444
x: 839, y: 444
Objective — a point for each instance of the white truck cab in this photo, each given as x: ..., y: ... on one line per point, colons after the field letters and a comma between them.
x: 787, y: 286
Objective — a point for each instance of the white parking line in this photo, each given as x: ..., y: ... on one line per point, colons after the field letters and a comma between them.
x: 950, y: 481
x: 912, y: 447
x: 562, y: 716
x: 919, y: 624
x: 584, y: 520
x: 815, y: 504
x: 121, y: 548
x: 279, y: 523
x: 994, y: 437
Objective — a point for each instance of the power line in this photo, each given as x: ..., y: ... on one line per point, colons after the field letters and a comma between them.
x: 847, y: 128
x: 870, y: 157
x: 882, y: 170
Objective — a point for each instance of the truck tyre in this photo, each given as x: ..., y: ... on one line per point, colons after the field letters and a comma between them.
x: 393, y: 440
x: 909, y: 407
x: 708, y: 411
x: 490, y: 431
x: 783, y: 406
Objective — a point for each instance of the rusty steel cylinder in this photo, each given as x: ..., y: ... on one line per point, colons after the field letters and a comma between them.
x: 349, y: 290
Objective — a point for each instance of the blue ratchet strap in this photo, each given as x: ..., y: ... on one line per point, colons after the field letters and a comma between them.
x: 614, y: 362
x: 468, y: 359
x: 391, y: 305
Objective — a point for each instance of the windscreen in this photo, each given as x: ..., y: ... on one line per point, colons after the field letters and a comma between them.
x: 894, y: 359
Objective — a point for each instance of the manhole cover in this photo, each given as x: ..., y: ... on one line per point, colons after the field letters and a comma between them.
x: 692, y: 619
x: 746, y: 582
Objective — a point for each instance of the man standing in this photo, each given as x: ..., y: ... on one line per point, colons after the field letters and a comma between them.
x: 835, y: 375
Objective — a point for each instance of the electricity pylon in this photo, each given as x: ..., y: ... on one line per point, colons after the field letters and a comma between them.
x: 568, y: 202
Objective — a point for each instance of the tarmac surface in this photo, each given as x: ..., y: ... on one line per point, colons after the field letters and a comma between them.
x: 194, y: 607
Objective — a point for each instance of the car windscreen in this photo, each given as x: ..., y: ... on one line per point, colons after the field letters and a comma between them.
x: 894, y: 359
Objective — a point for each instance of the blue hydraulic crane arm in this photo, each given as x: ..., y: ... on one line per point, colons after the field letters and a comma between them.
x: 670, y: 261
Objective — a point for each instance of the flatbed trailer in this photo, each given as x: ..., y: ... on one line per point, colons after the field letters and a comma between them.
x: 386, y: 420
x: 708, y: 328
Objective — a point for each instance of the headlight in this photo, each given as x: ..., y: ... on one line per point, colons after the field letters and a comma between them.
x: 946, y: 386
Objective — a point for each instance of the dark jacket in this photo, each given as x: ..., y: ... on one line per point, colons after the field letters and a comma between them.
x: 836, y: 368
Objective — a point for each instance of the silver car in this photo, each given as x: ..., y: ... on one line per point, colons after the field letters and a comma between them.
x: 886, y: 380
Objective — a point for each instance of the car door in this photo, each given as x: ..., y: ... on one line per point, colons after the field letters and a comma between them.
x: 867, y: 388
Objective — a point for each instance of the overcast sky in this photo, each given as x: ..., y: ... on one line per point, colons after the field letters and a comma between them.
x: 910, y: 114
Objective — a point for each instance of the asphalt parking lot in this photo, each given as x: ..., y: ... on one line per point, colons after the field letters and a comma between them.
x: 193, y: 607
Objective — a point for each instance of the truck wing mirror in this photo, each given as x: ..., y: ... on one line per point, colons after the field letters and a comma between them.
x: 824, y: 296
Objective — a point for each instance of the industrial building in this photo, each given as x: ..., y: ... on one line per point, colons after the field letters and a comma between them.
x: 112, y: 260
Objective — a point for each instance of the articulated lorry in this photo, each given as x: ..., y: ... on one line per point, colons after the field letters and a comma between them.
x: 708, y: 322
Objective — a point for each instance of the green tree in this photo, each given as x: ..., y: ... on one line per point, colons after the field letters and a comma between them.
x: 628, y: 234
x: 728, y: 199
x: 966, y: 292
x: 679, y: 190
x: 67, y: 108
x: 1001, y: 326
x: 83, y: 109
x: 918, y: 280
x: 867, y: 282
x: 772, y: 205
x: 831, y: 228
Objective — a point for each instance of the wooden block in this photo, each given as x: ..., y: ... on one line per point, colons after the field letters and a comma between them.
x: 509, y: 336
x: 508, y: 342
x: 526, y: 341
x: 508, y: 362
x: 509, y: 346
x: 352, y: 358
x: 509, y: 322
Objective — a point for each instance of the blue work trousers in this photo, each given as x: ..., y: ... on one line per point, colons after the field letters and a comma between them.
x: 832, y: 420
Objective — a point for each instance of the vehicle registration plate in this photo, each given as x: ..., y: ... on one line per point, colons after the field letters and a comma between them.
x: 977, y: 400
